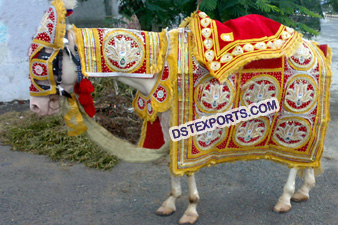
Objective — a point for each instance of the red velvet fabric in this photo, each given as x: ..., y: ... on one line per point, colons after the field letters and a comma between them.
x: 249, y: 27
x: 154, y: 136
x: 324, y: 49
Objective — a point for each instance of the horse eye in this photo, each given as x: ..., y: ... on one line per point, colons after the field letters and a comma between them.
x: 44, y: 55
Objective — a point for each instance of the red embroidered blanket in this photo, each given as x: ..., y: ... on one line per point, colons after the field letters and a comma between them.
x: 225, y: 48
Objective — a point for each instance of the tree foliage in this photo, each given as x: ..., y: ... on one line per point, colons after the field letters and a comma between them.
x: 330, y: 6
x: 302, y: 15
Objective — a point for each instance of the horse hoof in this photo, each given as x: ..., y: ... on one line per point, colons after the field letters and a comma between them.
x: 281, y: 207
x: 299, y: 197
x: 188, y: 218
x: 164, y: 211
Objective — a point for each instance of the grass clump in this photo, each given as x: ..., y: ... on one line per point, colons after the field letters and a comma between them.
x: 48, y: 136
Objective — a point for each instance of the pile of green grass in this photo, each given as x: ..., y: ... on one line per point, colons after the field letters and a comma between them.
x: 48, y: 136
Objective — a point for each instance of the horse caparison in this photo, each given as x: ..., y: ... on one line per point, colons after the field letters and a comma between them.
x: 200, y: 69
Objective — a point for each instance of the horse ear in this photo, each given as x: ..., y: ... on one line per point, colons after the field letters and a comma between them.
x: 70, y: 4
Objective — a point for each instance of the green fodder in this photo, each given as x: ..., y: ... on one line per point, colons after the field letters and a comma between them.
x: 48, y: 136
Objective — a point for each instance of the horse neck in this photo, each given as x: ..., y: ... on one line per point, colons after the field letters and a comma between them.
x: 145, y: 86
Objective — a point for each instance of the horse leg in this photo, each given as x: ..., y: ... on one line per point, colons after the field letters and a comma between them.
x: 284, y: 205
x: 168, y: 207
x: 190, y: 215
x: 302, y: 194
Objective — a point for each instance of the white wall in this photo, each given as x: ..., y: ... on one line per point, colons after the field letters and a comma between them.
x: 19, y: 20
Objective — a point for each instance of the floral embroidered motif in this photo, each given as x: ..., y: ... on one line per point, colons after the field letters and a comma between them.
x: 258, y: 89
x: 39, y: 69
x: 207, y: 137
x: 301, y: 94
x: 211, y: 96
x: 251, y: 132
x: 123, y: 51
x: 160, y: 94
x: 141, y: 103
x: 303, y: 58
x: 211, y: 138
x: 260, y: 92
x: 215, y: 95
x: 292, y: 132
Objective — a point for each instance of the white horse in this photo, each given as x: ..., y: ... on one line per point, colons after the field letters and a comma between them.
x: 48, y: 105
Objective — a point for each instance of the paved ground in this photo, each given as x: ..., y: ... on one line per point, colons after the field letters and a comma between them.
x: 34, y: 190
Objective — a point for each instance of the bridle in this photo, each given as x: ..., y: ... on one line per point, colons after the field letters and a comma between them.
x: 57, y: 67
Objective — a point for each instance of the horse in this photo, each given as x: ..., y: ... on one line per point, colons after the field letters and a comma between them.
x: 203, y: 69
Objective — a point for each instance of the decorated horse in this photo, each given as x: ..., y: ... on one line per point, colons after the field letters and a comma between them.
x: 200, y: 69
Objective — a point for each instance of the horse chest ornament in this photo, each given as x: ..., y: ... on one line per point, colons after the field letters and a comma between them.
x: 200, y: 69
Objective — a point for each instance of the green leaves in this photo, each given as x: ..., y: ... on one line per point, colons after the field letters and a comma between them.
x: 302, y: 15
x: 264, y: 5
x: 208, y: 5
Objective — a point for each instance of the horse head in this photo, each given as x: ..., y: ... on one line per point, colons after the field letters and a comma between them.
x: 51, y: 56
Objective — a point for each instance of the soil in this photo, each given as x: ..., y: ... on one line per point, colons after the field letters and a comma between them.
x: 118, y: 118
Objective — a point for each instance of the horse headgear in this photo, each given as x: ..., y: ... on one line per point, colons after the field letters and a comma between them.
x: 45, y: 63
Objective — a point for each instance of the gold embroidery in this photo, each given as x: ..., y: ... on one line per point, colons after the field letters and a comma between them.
x: 237, y: 51
x: 213, y: 97
x: 301, y: 94
x: 124, y: 51
x: 248, y: 47
x: 205, y: 22
x: 210, y: 139
x: 251, y: 132
x: 215, y: 65
x: 209, y: 55
x: 259, y: 88
x: 206, y: 32
x: 227, y: 36
x: 208, y: 43
x: 226, y: 58
x: 260, y: 45
x: 292, y: 132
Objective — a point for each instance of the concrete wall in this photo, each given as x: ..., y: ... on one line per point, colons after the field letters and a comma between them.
x: 19, y: 20
x: 88, y: 13
x: 18, y: 23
